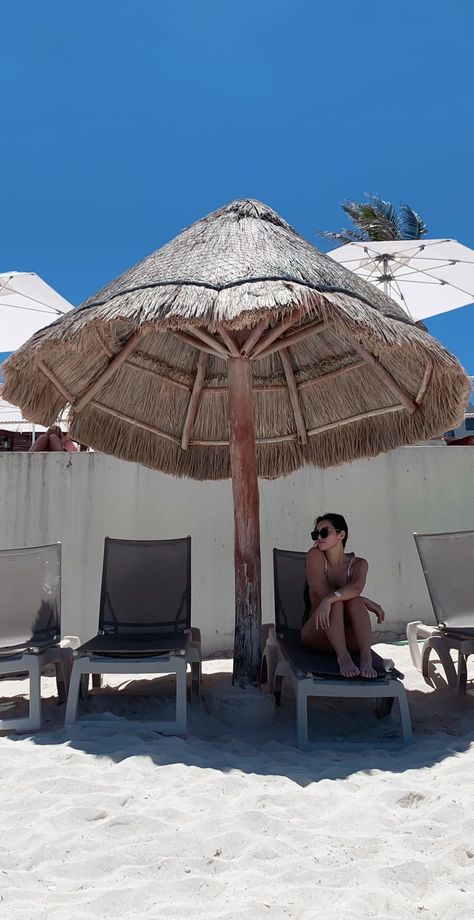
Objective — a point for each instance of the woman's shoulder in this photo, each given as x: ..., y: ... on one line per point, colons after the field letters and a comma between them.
x: 315, y: 556
x: 359, y: 561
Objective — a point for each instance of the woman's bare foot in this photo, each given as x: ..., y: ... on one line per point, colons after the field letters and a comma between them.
x: 347, y: 666
x: 366, y: 668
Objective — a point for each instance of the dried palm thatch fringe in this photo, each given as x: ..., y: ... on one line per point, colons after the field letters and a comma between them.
x: 235, y: 274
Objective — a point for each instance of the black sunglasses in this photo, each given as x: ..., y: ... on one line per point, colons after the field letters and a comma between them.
x: 323, y: 533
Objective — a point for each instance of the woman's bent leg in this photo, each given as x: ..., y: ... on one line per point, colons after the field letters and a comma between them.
x: 360, y: 622
x: 55, y: 443
x: 335, y: 636
x: 41, y: 443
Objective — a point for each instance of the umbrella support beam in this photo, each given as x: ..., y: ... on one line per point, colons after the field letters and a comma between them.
x: 386, y: 377
x: 294, y: 397
x: 243, y: 462
x: 424, y: 383
x: 194, y: 400
x: 108, y: 372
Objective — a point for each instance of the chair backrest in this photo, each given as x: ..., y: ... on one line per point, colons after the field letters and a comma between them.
x: 146, y: 587
x: 30, y: 597
x: 447, y: 560
x: 289, y: 574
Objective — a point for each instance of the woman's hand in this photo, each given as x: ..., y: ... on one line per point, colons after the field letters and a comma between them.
x: 379, y: 613
x: 373, y: 607
x: 322, y: 614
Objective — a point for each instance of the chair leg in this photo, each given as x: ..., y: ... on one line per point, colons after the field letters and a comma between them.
x: 301, y: 717
x: 412, y: 636
x: 195, y: 682
x: 61, y: 682
x: 35, y: 694
x: 405, y: 718
x: 96, y: 681
x: 277, y: 685
x: 181, y: 699
x: 461, y: 679
x: 268, y: 665
x: 438, y: 644
x: 73, y: 695
x: 84, y: 686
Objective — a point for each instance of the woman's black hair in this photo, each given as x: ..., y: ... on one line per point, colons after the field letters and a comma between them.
x: 337, y: 521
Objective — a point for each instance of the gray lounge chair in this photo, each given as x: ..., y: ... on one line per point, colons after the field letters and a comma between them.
x: 30, y: 625
x: 313, y: 673
x: 144, y: 621
x: 447, y: 560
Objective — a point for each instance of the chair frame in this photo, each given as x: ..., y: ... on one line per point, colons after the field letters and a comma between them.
x: 442, y: 641
x: 33, y: 661
x: 174, y: 661
x: 277, y: 666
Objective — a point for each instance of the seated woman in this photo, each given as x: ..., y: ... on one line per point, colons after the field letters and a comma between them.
x: 53, y: 440
x: 338, y: 618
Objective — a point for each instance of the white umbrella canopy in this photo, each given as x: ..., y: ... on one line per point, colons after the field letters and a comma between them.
x: 11, y: 419
x: 27, y: 304
x: 425, y: 277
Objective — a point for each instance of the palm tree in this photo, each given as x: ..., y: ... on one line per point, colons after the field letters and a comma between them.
x: 377, y: 219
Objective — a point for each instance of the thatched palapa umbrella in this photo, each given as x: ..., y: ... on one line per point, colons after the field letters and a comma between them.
x: 238, y: 349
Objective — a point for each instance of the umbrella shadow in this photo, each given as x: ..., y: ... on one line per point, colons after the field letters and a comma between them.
x: 347, y: 737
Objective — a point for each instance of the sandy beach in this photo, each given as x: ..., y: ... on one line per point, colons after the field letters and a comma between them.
x: 115, y: 821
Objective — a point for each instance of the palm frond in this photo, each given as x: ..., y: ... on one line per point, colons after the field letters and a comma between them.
x: 344, y: 236
x: 414, y: 227
x: 376, y: 219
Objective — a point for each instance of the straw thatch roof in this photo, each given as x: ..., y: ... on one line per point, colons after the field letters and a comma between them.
x: 144, y: 362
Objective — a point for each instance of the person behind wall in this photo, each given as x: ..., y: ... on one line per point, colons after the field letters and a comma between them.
x: 53, y: 440
x: 338, y: 614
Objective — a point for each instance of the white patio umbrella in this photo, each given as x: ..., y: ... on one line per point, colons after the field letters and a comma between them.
x: 27, y: 304
x: 425, y: 277
x: 11, y: 419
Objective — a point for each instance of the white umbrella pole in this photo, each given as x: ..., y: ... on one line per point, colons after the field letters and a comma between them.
x: 243, y: 461
x: 386, y: 285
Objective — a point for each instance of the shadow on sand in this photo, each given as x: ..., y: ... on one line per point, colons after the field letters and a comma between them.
x: 347, y: 737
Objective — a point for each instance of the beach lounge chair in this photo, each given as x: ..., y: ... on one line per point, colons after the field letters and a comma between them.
x: 313, y: 673
x: 447, y: 560
x: 144, y: 621
x: 30, y: 625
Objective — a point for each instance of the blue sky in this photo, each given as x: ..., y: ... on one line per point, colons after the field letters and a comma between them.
x: 125, y: 121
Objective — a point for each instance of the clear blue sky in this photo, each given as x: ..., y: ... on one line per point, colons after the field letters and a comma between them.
x: 125, y: 121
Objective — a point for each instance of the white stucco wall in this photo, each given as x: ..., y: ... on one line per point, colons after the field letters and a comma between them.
x: 79, y: 499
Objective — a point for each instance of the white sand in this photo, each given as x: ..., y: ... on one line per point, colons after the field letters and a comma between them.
x: 117, y: 822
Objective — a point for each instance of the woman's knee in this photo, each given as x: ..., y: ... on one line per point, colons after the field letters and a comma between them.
x: 355, y: 607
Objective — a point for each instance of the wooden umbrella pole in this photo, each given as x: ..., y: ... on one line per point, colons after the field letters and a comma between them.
x: 243, y: 463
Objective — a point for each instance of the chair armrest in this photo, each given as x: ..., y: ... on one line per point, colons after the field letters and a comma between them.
x: 267, y: 635
x: 70, y: 642
x: 194, y: 634
x: 418, y: 630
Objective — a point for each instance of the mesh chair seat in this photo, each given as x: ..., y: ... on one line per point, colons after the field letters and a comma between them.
x: 149, y: 644
x: 325, y: 665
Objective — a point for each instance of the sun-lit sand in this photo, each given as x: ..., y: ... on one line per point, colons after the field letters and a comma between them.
x: 115, y: 821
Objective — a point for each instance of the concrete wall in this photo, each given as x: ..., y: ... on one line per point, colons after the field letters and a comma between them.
x: 79, y: 499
